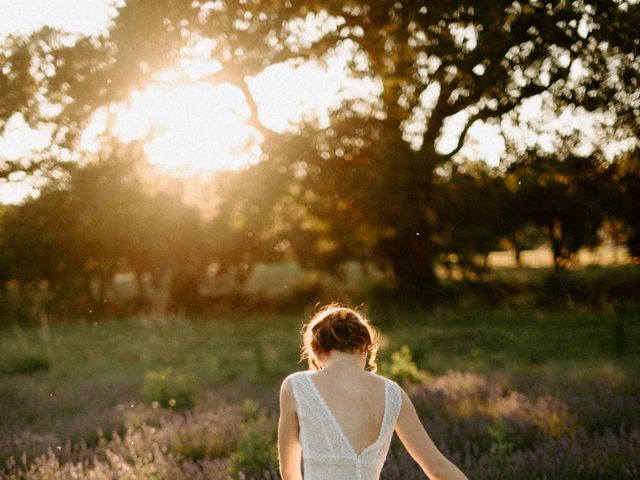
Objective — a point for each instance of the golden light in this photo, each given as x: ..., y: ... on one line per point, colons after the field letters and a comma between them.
x: 193, y: 127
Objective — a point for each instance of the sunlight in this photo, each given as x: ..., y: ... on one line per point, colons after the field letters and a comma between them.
x: 87, y: 17
x: 283, y: 102
x: 187, y: 124
x: 191, y: 128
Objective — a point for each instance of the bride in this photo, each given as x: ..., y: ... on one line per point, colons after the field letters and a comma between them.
x: 337, y: 419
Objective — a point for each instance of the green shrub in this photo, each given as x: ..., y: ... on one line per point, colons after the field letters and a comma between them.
x: 501, y: 447
x: 259, y: 358
x: 170, y: 389
x: 256, y: 453
x: 402, y: 368
x: 24, y: 362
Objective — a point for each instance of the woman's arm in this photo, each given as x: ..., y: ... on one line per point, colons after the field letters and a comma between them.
x: 289, y: 450
x: 420, y: 446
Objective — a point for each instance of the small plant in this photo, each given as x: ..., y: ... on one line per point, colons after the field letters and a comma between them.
x: 256, y: 452
x: 501, y: 447
x: 402, y: 368
x: 170, y: 389
x: 259, y: 358
x: 620, y: 339
x: 24, y: 363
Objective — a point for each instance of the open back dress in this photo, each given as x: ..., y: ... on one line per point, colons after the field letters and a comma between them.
x: 327, y: 454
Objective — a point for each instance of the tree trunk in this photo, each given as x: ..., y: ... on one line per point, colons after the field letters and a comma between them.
x: 104, y: 283
x: 485, y: 261
x: 556, y: 243
x: 142, y: 296
x: 412, y: 259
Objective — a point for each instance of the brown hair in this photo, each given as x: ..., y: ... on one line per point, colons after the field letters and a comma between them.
x: 337, y: 327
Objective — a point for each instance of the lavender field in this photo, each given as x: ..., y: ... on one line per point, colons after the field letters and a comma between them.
x: 505, y: 394
x: 184, y: 182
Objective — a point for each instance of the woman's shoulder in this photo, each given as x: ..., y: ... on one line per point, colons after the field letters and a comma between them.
x: 383, y: 378
x: 390, y: 382
x: 292, y: 377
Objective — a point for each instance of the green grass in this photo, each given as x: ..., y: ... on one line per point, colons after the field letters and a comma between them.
x: 515, y: 341
x: 97, y: 366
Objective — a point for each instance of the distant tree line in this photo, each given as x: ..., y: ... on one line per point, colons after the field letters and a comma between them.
x: 109, y: 215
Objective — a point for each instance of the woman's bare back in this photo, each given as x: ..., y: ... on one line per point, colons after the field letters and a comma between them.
x: 355, y: 397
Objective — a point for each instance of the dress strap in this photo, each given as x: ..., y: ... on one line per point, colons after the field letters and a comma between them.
x: 394, y: 402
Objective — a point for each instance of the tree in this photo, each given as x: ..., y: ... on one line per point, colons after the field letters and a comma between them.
x: 462, y: 60
x: 471, y: 206
x: 564, y: 197
x: 21, y: 94
x: 129, y: 222
x: 100, y: 218
x: 623, y: 195
x: 41, y: 242
x: 459, y: 60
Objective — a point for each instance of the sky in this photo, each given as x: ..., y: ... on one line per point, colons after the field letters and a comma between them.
x: 77, y: 16
x: 84, y: 17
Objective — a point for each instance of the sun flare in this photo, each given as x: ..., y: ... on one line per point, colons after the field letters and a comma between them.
x: 191, y: 127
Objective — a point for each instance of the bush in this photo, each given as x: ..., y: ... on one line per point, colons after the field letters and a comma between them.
x: 170, y: 389
x: 402, y: 368
x: 591, y: 287
x: 257, y: 454
x: 155, y: 444
x: 25, y: 362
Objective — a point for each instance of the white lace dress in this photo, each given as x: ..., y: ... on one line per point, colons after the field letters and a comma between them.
x: 326, y: 452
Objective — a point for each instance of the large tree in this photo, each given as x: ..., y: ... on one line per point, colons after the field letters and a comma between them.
x: 468, y: 62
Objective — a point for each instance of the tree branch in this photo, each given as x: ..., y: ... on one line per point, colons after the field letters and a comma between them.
x: 463, y: 135
x: 254, y: 119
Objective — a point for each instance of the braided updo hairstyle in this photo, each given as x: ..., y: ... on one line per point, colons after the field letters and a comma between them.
x: 336, y: 327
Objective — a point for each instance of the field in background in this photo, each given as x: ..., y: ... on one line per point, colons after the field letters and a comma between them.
x: 543, y: 258
x: 278, y: 280
x: 65, y: 383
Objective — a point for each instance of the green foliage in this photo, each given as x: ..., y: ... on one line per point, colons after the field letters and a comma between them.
x: 471, y: 201
x: 402, y: 368
x: 592, y: 287
x: 501, y: 447
x: 100, y: 217
x: 620, y: 339
x: 24, y: 362
x: 623, y: 199
x: 259, y: 358
x: 564, y: 195
x: 170, y: 389
x: 256, y: 452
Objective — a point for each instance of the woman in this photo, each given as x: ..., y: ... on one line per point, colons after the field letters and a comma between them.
x: 337, y: 418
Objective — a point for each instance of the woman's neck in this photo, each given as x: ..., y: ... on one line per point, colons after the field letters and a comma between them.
x: 337, y: 360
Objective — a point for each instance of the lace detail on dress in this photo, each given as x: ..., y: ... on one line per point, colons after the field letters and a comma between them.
x: 326, y: 451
